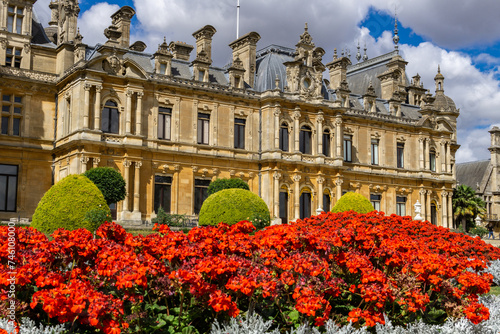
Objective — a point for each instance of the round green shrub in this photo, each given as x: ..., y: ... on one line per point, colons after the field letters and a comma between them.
x: 353, y: 201
x: 233, y: 205
x: 66, y: 205
x: 221, y: 184
x: 109, y: 181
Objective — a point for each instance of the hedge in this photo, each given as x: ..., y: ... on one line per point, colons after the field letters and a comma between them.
x: 353, y: 201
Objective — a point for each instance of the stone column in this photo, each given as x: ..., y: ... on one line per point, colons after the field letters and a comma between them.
x: 277, y: 177
x: 428, y: 206
x: 338, y: 188
x: 296, y: 202
x: 444, y: 203
x: 320, y: 179
x: 443, y: 157
x: 277, y: 128
x: 448, y: 158
x: 421, y: 145
x: 296, y: 130
x: 83, y: 164
x: 86, y: 105
x: 138, y: 114
x: 319, y: 132
x: 95, y: 162
x: 339, y: 135
x: 137, y: 184
x: 97, y: 108
x: 450, y: 209
x: 126, y: 176
x: 128, y: 112
x: 423, y: 202
x: 426, y: 154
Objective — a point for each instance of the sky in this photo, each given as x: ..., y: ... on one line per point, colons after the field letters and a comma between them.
x: 462, y: 37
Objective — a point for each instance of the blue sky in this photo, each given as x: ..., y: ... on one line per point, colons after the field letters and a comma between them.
x: 462, y: 37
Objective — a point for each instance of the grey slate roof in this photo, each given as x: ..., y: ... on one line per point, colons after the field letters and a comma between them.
x: 269, y: 65
x: 472, y: 173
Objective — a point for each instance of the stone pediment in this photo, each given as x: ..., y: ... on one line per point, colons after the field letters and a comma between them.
x: 115, y: 65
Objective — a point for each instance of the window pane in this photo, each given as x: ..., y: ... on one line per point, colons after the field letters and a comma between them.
x: 3, y: 192
x: 8, y: 170
x: 200, y: 131
x: 163, y: 179
x: 168, y: 126
x: 18, y: 99
x: 105, y: 120
x: 17, y: 110
x: 326, y: 202
x: 284, y: 138
x: 161, y: 126
x: 10, y: 23
x: 5, y: 125
x: 19, y: 24
x: 16, y: 126
x: 114, y: 121
x: 284, y: 207
x: 305, y: 205
x: 12, y: 9
x: 6, y: 97
x: 11, y: 193
x: 205, y: 131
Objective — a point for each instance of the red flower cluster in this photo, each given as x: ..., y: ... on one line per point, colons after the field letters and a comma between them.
x: 346, y: 266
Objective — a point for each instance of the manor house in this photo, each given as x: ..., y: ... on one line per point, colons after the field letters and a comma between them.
x: 300, y: 127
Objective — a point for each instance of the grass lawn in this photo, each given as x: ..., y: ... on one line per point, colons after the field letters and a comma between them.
x: 495, y: 290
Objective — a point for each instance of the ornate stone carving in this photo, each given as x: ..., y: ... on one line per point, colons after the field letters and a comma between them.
x: 296, y: 178
x: 277, y: 175
x: 320, y: 179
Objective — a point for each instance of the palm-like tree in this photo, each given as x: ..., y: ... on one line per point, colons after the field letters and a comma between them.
x: 466, y: 204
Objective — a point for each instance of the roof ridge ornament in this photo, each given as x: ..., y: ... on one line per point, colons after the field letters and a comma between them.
x: 358, y: 54
x: 365, y: 56
x: 395, y: 39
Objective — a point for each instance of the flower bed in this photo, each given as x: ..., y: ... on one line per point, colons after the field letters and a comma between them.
x: 346, y: 267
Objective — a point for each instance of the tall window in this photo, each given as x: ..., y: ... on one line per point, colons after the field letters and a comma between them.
x: 8, y: 188
x: 203, y: 128
x: 401, y: 205
x: 326, y: 202
x: 348, y: 148
x: 432, y: 160
x: 164, y: 123
x: 305, y: 205
x: 433, y: 214
x: 13, y: 56
x: 305, y: 139
x: 284, y: 137
x: 326, y: 143
x: 375, y: 200
x: 12, y: 111
x: 110, y: 117
x: 15, y: 19
x: 200, y: 193
x: 163, y: 190
x: 284, y: 206
x: 400, y: 154
x: 239, y: 133
x: 374, y: 151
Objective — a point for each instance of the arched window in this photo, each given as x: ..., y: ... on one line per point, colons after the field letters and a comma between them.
x: 326, y: 201
x: 284, y: 137
x: 305, y: 204
x: 326, y: 142
x: 110, y: 117
x: 305, y: 139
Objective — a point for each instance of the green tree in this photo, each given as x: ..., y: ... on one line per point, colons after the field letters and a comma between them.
x: 221, y: 184
x: 109, y: 181
x: 466, y: 205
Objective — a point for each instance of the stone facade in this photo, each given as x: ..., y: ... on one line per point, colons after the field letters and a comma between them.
x: 171, y: 125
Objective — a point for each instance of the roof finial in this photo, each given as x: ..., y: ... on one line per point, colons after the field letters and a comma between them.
x: 439, y: 68
x: 365, y: 56
x: 358, y: 54
x: 395, y: 39
x: 335, y: 53
x: 305, y: 28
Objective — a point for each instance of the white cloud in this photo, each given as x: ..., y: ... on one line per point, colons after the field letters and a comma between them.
x: 93, y: 22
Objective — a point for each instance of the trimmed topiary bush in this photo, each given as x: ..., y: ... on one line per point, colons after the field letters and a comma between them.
x: 353, y: 201
x: 233, y: 205
x: 109, y: 181
x: 221, y: 184
x: 66, y: 205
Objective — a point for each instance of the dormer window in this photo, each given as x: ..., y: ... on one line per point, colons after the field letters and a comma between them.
x: 15, y: 19
x: 201, y: 75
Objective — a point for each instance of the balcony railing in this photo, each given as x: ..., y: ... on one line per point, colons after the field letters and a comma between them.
x: 491, y: 217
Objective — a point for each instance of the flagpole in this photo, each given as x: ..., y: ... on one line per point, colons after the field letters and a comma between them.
x: 238, y: 20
